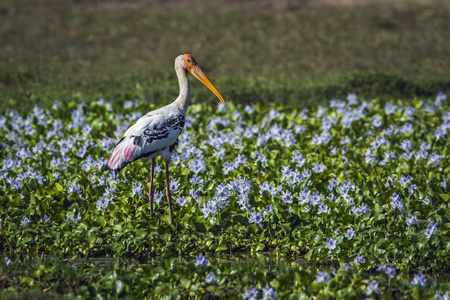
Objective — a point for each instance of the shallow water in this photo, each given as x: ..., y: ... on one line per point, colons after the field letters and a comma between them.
x: 262, y: 260
x: 265, y: 260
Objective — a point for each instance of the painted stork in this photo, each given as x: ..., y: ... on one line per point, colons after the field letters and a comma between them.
x: 156, y: 133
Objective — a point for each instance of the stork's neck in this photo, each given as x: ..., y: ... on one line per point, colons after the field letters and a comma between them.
x: 184, y: 98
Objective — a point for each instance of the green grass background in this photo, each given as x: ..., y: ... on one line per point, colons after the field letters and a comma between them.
x: 282, y: 51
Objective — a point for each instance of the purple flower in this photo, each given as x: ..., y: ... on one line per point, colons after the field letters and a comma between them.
x: 74, y: 188
x: 82, y: 152
x: 431, y: 229
x: 322, y: 139
x: 332, y: 197
x: 315, y: 198
x: 304, y: 196
x: 376, y: 121
x: 75, y: 219
x: 128, y: 104
x: 7, y: 261
x: 359, y: 259
x: 406, y: 145
x: 350, y: 234
x: 268, y: 293
x: 361, y: 210
x: 330, y: 244
x: 240, y: 159
x: 332, y: 184
x: 109, y: 192
x: 196, y: 180
x: 441, y: 96
x: 137, y: 189
x: 193, y: 194
x: 197, y: 165
x: 201, y: 260
x: 260, y: 157
x: 157, y: 196
x: 411, y: 220
x: 251, y: 293
x: 323, y: 277
x: 209, y: 208
x: 405, y: 180
x: 444, y: 296
x: 286, y: 173
x: 181, y: 201
x: 210, y: 278
x: 352, y: 99
x: 390, y: 272
x: 46, y: 219
x: 435, y: 159
x: 25, y: 220
x: 14, y: 183
x: 412, y: 188
x: 419, y: 279
x: 388, y: 155
x: 100, y: 163
x: 369, y: 157
x: 323, y: 208
x: 102, y: 203
x: 397, y: 202
x: 346, y: 266
x: 371, y: 287
x: 267, y: 187
x: 440, y: 132
x: 269, y: 209
x: 249, y: 109
x: 389, y: 108
x: 174, y: 185
x: 55, y: 105
x: 77, y: 117
x: 228, y: 167
x: 256, y: 218
x: 298, y: 157
x: 222, y: 191
x: 407, y: 127
x: 319, y: 167
x: 286, y: 197
x: 409, y: 112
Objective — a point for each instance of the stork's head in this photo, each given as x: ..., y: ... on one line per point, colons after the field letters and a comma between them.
x: 190, y: 65
x: 189, y: 62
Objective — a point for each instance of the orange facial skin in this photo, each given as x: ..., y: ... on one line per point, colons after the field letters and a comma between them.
x: 193, y: 68
x: 189, y: 61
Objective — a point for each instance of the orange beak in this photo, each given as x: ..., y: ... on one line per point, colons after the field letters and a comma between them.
x: 198, y: 73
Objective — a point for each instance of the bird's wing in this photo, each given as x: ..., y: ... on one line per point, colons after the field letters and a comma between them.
x: 151, y: 133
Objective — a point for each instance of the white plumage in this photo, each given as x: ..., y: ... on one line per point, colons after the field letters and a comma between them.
x: 156, y: 133
x: 151, y: 136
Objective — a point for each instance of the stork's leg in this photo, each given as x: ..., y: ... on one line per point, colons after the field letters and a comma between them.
x: 150, y: 191
x: 168, y: 191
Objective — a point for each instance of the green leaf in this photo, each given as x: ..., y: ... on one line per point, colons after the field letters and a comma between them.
x: 445, y: 197
x: 260, y: 247
x: 59, y: 187
x: 200, y: 227
x: 27, y: 281
x: 100, y: 220
x: 309, y: 254
x: 118, y: 286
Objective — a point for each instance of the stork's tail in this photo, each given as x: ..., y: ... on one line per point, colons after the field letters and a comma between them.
x: 124, y: 153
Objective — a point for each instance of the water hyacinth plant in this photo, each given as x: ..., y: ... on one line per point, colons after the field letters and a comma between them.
x: 355, y: 184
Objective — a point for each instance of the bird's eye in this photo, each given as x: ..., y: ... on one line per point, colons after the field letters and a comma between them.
x: 188, y: 60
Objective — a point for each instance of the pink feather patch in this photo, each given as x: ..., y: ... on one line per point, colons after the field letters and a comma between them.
x: 129, y: 152
x: 124, y: 152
